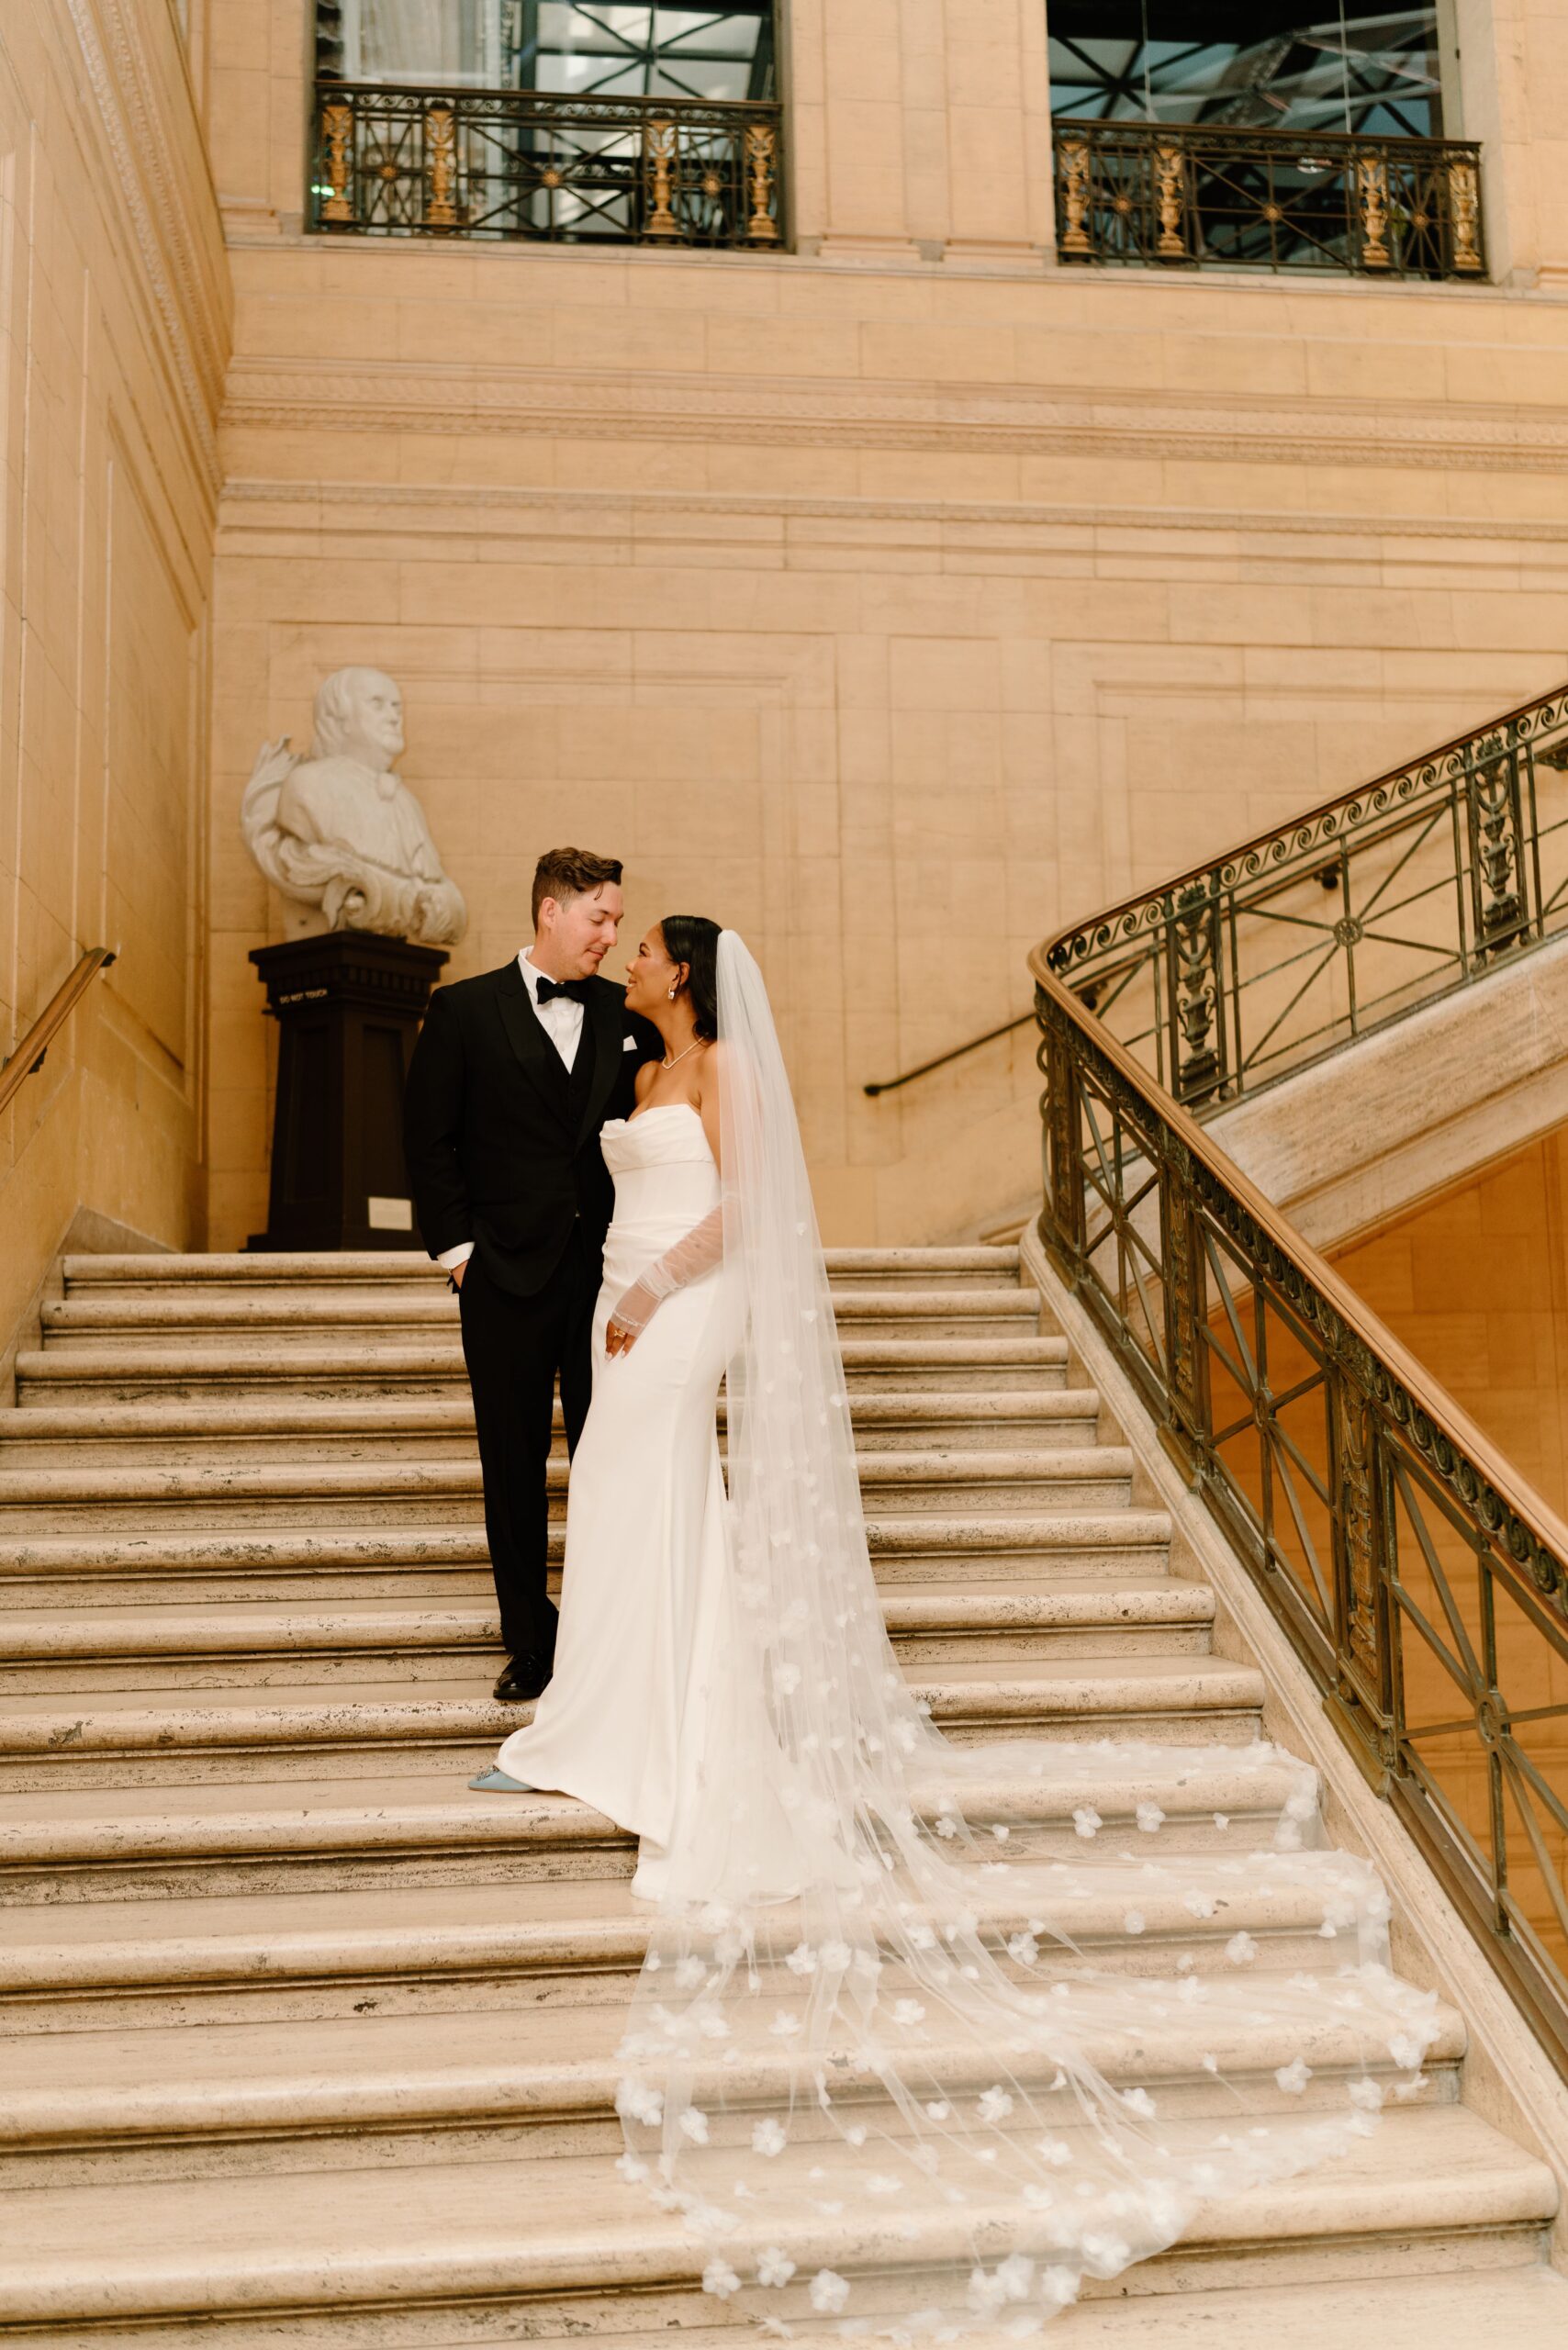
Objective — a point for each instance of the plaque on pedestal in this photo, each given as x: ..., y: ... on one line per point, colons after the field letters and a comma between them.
x: 348, y: 1004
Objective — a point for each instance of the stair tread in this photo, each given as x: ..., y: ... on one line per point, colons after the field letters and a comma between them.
x: 1518, y: 2308
x: 444, y: 1474
x: 1223, y: 1679
x: 433, y: 1801
x: 1118, y: 1527
x: 300, y: 1416
x: 73, y: 2080
x: 296, y: 1305
x: 464, y: 2227
x: 174, y: 1266
x: 42, y: 1633
x: 1222, y: 1779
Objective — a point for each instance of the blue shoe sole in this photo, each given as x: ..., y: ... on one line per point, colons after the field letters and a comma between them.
x: 496, y: 1782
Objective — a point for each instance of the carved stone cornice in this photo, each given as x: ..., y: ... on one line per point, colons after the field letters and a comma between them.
x: 488, y: 510
x: 185, y: 296
x: 1002, y: 418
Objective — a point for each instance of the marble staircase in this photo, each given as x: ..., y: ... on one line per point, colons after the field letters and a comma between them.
x: 307, y: 2045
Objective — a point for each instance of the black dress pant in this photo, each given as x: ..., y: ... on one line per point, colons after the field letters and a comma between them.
x: 514, y: 1347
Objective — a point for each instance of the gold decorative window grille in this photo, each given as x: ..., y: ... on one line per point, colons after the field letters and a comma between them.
x: 529, y: 166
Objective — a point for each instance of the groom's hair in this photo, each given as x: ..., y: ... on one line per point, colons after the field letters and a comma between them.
x: 571, y: 873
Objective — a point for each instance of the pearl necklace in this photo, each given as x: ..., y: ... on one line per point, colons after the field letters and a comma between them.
x: 680, y: 1056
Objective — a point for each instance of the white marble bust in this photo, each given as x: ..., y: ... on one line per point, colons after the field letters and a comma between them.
x: 339, y: 835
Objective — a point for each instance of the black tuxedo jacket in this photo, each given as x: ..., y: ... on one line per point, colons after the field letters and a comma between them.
x: 501, y: 1145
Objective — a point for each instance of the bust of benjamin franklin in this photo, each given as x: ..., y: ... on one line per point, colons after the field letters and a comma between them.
x: 338, y: 834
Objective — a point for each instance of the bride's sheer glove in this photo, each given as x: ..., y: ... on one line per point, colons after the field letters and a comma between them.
x: 701, y: 1249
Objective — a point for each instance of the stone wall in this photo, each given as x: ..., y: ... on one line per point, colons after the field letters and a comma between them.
x: 892, y: 599
x: 113, y: 340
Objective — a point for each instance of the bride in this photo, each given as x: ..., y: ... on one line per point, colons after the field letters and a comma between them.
x: 646, y: 1541
x: 864, y: 2060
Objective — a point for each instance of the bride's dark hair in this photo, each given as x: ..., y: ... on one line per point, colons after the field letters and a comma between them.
x: 692, y: 939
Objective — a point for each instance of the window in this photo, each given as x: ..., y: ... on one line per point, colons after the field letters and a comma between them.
x: 567, y: 121
x: 576, y: 48
x: 1246, y: 134
x: 1249, y: 65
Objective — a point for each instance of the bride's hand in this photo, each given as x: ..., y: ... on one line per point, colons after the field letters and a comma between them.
x: 618, y: 1341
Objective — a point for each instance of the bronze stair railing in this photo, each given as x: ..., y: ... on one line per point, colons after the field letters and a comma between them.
x: 1245, y: 969
x: 1256, y: 963
x: 1420, y: 1576
x: 29, y: 1056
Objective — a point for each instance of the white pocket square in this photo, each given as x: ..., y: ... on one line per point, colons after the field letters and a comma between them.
x: 628, y: 1043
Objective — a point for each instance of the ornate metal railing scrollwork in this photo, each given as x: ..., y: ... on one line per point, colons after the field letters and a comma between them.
x: 1421, y: 1579
x: 1198, y: 194
x: 532, y: 166
x: 1248, y: 969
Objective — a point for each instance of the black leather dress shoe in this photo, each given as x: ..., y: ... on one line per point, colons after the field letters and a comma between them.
x: 521, y: 1677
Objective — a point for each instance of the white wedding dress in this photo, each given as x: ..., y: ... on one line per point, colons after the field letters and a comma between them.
x: 864, y: 2059
x: 646, y: 1588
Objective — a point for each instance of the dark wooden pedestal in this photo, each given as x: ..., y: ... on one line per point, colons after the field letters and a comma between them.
x: 348, y: 1006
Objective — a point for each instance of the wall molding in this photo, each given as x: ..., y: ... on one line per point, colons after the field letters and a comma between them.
x: 486, y: 510
x: 187, y: 303
x: 1004, y: 419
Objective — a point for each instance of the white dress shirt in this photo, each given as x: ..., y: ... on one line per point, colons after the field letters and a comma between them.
x: 561, y: 1021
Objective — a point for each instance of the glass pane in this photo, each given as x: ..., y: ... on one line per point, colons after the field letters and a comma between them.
x: 575, y: 47
x: 1265, y: 66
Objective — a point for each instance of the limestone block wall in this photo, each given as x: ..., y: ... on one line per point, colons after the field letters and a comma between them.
x: 894, y: 598
x: 893, y: 612
x: 113, y: 341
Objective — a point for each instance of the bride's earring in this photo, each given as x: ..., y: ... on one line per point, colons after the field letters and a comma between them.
x: 672, y: 995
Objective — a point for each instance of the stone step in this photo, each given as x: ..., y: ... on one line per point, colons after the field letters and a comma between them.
x: 1521, y: 2307
x: 96, y: 1647
x: 389, y: 1817
x: 127, y: 1567
x: 183, y: 1432
x: 275, y: 1319
x: 447, y: 1492
x: 393, y: 1268
x: 1427, y: 2188
x: 172, y: 2103
x: 141, y: 1370
x: 1139, y: 1697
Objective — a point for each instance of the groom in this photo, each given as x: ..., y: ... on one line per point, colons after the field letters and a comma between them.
x: 512, y: 1077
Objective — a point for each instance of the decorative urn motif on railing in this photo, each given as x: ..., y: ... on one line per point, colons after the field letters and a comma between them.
x: 1422, y: 1581
x: 1206, y: 194
x: 533, y: 165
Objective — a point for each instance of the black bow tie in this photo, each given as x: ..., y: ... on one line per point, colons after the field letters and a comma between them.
x: 546, y: 990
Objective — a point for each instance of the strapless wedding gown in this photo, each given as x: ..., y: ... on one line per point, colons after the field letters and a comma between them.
x: 646, y: 1589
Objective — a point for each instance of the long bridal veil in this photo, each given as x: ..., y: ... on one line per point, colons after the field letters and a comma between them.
x: 872, y: 2060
